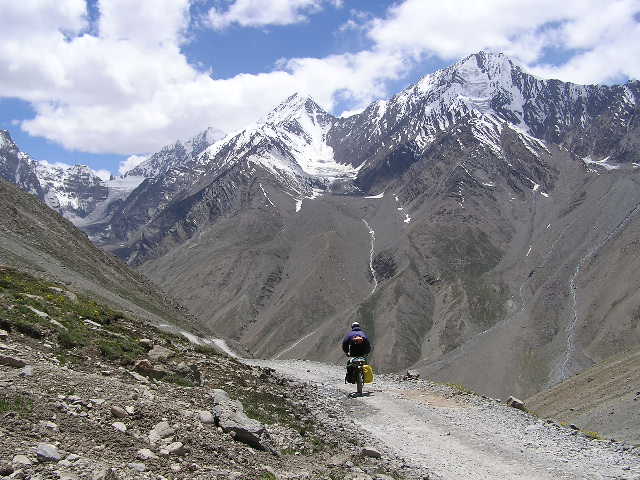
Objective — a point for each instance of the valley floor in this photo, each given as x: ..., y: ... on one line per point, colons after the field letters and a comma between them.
x: 456, y: 435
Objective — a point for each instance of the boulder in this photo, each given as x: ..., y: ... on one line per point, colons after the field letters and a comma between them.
x: 175, y: 449
x: 14, y: 362
x: 160, y: 431
x: 121, y: 427
x: 516, y: 403
x: 412, y: 375
x: 146, y: 454
x: 146, y: 342
x: 47, y: 453
x: 6, y: 469
x: 20, y: 461
x: 4, y: 335
x: 118, y: 412
x: 27, y: 371
x: 103, y: 473
x: 206, y: 417
x: 370, y: 452
x: 144, y: 366
x: 70, y: 295
x: 159, y: 353
x: 138, y: 467
x: 229, y: 415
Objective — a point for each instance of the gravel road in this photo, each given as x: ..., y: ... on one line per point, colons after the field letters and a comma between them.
x: 450, y: 434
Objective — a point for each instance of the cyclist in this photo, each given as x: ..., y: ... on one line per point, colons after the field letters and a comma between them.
x: 355, y: 344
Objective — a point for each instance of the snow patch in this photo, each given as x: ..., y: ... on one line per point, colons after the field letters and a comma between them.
x: 265, y: 195
x: 380, y: 195
x: 602, y: 163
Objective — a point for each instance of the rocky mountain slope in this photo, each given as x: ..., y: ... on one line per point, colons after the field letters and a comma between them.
x: 35, y: 238
x: 603, y: 398
x: 480, y: 224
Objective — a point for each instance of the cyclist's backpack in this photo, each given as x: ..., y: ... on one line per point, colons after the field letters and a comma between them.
x: 367, y: 370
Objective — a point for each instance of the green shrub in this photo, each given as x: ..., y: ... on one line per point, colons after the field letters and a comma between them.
x: 28, y: 328
x: 122, y: 350
x: 15, y: 403
x: 72, y: 338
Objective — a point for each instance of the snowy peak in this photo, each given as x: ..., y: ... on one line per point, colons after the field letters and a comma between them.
x: 5, y: 140
x: 177, y: 155
x: 298, y: 107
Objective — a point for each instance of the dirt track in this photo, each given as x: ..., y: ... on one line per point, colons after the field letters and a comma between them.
x: 454, y: 435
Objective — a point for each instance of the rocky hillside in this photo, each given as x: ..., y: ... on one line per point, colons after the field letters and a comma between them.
x: 481, y: 224
x: 603, y: 398
x: 35, y: 238
x: 90, y: 393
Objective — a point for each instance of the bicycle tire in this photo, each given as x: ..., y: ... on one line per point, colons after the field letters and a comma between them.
x: 360, y: 380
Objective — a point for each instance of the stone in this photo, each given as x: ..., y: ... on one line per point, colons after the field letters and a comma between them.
x: 574, y: 427
x: 412, y: 375
x: 103, y: 473
x: 70, y: 295
x: 47, y: 453
x: 68, y: 476
x: 19, y: 461
x: 38, y: 312
x: 118, y: 412
x: 370, y: 452
x: 513, y: 402
x: 4, y: 335
x: 206, y: 417
x: 6, y: 469
x: 160, y: 431
x: 138, y: 377
x: 229, y: 415
x: 146, y: 342
x: 138, y: 467
x: 130, y: 410
x: 175, y: 467
x: 159, y: 353
x: 27, y: 371
x: 14, y: 362
x: 143, y: 365
x: 121, y: 427
x: 176, y: 449
x: 146, y: 454
x: 48, y: 425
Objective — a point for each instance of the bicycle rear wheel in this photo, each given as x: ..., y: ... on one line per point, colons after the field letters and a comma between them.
x: 360, y: 380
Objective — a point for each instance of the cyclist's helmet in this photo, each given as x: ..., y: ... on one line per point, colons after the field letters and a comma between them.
x: 354, y: 325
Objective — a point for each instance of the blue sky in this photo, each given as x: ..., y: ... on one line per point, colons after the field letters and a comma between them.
x: 97, y: 82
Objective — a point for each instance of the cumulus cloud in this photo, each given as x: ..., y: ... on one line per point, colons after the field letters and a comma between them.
x: 102, y: 174
x: 259, y: 13
x: 130, y: 162
x: 124, y: 85
x: 604, y: 40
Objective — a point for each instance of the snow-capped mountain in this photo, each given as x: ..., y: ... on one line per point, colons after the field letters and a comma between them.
x: 180, y: 154
x: 18, y: 167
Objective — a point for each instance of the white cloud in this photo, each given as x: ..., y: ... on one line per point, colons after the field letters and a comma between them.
x: 125, y: 86
x: 103, y: 174
x: 131, y: 162
x: 259, y: 13
x: 608, y: 34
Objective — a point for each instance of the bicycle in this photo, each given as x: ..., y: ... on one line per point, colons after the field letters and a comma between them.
x: 358, y: 363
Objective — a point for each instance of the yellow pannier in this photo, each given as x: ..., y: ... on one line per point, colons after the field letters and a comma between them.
x: 367, y: 370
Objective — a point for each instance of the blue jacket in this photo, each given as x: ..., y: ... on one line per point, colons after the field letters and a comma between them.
x: 356, y: 350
